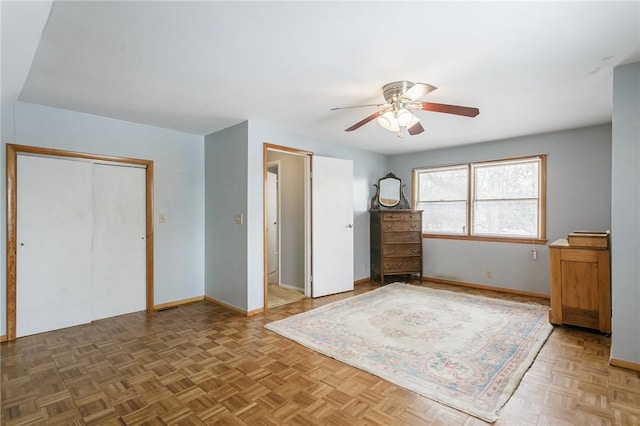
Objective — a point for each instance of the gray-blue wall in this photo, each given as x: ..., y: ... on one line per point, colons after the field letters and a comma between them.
x: 235, y: 253
x: 178, y: 184
x: 625, y: 199
x: 578, y: 197
x: 367, y: 168
x: 226, y: 197
x: 229, y: 165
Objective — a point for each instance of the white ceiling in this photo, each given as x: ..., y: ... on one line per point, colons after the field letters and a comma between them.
x: 198, y: 67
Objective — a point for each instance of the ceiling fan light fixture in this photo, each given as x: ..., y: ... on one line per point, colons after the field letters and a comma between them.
x: 404, y: 117
x: 388, y: 121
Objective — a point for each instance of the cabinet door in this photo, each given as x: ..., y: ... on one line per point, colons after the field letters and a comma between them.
x: 580, y: 300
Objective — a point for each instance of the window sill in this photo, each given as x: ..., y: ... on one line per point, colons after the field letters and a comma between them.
x: 516, y: 240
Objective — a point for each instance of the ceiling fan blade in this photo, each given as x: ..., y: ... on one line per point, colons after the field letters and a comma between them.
x: 366, y: 120
x: 449, y: 109
x: 359, y: 106
x: 416, y: 129
x: 418, y: 90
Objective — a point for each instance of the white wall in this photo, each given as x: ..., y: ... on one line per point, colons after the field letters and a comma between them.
x: 578, y: 197
x: 625, y: 200
x: 178, y: 184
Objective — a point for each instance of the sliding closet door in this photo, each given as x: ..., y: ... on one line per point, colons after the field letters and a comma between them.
x: 54, y: 229
x: 119, y: 240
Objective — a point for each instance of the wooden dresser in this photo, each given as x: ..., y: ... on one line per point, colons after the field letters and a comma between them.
x: 396, y: 243
x: 581, y: 281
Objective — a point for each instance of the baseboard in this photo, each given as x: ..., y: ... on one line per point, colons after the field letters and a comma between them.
x: 3, y: 339
x: 625, y: 364
x: 356, y: 282
x: 486, y: 287
x: 233, y: 308
x: 291, y: 287
x: 255, y: 312
x: 176, y: 303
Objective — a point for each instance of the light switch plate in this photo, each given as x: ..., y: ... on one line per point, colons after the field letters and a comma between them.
x: 239, y: 219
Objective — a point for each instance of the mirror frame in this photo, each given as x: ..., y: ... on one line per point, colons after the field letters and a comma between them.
x: 402, y: 203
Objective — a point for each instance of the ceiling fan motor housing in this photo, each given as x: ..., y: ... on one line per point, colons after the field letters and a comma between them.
x: 393, y: 91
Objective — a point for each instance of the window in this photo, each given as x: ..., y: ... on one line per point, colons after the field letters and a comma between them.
x: 443, y: 195
x: 492, y: 200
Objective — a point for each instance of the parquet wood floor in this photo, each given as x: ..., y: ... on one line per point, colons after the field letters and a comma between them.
x: 203, y: 364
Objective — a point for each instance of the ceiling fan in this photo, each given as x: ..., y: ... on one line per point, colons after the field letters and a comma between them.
x: 397, y: 113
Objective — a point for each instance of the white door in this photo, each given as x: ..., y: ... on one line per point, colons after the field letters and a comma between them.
x: 54, y: 228
x: 332, y: 226
x: 272, y: 223
x: 119, y: 240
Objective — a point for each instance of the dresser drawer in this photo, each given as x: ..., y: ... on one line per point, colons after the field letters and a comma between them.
x: 401, y: 264
x: 400, y: 226
x: 391, y: 216
x: 393, y: 227
x: 411, y: 226
x: 402, y: 237
x: 411, y: 217
x: 402, y: 250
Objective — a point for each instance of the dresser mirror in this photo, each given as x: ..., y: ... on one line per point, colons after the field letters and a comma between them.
x: 389, y: 193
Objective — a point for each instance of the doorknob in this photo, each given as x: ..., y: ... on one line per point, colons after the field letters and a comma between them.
x: 351, y: 225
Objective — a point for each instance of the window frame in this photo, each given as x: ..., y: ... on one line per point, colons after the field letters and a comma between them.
x: 541, y: 239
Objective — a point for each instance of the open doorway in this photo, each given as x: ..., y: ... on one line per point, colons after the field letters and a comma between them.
x: 315, y: 246
x: 273, y: 222
x: 286, y: 225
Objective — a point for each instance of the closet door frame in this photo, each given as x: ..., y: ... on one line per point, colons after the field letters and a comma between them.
x: 12, y: 151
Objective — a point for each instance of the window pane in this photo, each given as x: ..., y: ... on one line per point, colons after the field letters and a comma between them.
x: 439, y: 185
x: 507, y: 217
x: 448, y: 217
x: 499, y: 181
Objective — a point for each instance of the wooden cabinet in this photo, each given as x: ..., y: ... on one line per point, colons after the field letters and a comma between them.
x: 581, y: 283
x: 396, y: 243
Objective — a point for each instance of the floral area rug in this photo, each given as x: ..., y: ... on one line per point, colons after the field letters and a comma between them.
x: 465, y: 351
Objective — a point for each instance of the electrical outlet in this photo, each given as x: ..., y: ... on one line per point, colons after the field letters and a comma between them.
x: 488, y: 273
x: 364, y: 267
x: 162, y: 217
